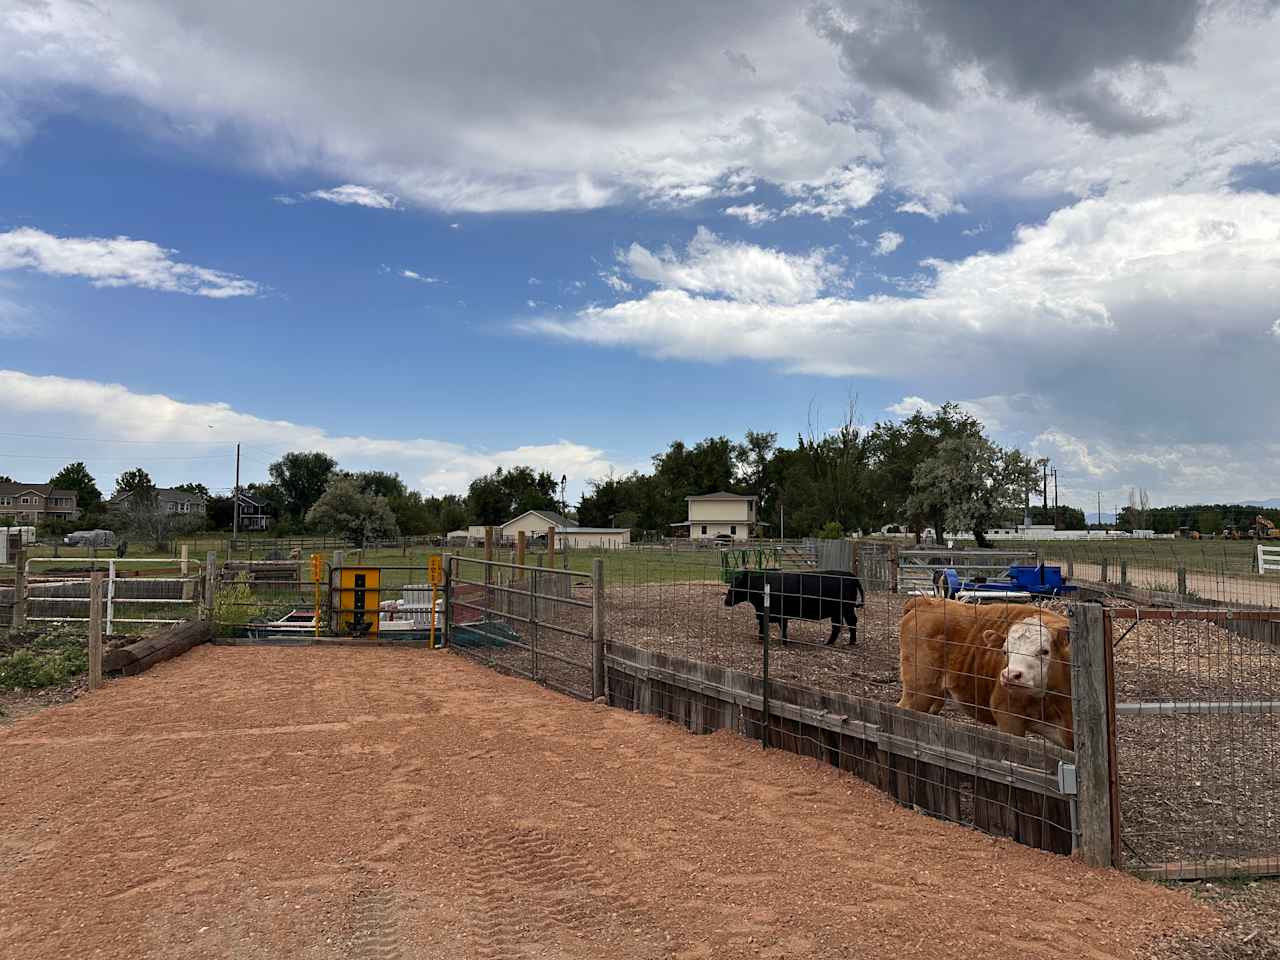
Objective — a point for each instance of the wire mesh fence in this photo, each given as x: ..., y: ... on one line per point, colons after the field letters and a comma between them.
x: 1198, y: 741
x: 1174, y: 571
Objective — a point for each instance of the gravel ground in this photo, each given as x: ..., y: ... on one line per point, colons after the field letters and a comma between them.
x: 1250, y: 929
x: 329, y: 803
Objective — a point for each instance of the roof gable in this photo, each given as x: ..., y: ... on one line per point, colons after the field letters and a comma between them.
x: 553, y: 518
x: 721, y: 495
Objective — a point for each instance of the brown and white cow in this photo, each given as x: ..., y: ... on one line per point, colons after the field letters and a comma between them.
x: 1008, y: 664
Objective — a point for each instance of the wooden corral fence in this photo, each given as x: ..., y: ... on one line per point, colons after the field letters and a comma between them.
x: 1004, y: 785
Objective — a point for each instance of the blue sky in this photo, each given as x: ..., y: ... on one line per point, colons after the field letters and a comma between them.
x: 614, y: 238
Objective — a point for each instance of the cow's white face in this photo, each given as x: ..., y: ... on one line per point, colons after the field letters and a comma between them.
x: 1029, y: 647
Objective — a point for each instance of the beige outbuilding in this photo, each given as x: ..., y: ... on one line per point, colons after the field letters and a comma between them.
x: 535, y: 523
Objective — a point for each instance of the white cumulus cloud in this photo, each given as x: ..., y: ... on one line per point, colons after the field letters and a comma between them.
x: 62, y: 406
x: 744, y: 272
x: 116, y: 262
x: 1114, y: 314
x: 887, y: 242
x: 751, y: 213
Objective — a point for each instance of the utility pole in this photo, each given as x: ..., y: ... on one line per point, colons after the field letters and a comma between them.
x: 782, y: 518
x: 1099, y: 509
x: 235, y: 499
x: 1055, y: 498
x: 1045, y: 464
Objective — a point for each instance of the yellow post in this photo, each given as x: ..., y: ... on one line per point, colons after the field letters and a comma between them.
x: 317, y: 571
x: 435, y: 576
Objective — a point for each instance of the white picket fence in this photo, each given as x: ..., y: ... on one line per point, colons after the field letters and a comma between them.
x: 1268, y: 558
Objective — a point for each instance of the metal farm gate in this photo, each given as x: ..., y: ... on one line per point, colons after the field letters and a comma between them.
x: 542, y: 623
x: 1178, y: 738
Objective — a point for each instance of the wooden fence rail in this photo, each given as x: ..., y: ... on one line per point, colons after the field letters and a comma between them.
x: 1001, y: 784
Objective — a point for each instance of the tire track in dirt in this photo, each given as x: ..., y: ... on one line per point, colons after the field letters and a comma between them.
x: 375, y: 936
x: 525, y: 888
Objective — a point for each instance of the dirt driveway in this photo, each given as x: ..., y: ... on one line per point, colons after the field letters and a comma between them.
x: 341, y: 803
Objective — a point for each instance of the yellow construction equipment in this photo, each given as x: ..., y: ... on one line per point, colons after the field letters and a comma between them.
x: 1264, y: 529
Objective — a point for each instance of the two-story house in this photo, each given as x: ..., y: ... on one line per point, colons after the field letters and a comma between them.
x: 33, y: 503
x: 714, y: 515
x: 178, y: 502
x: 253, y: 514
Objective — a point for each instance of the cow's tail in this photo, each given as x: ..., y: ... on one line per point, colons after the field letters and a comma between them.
x: 860, y: 596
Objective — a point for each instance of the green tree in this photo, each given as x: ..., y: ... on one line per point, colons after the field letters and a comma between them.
x: 967, y: 484
x: 197, y: 488
x: 346, y: 510
x: 76, y: 477
x: 831, y: 531
x: 1209, y: 521
x: 499, y: 496
x: 302, y: 479
x: 5, y: 478
x: 895, y: 452
x: 135, y: 481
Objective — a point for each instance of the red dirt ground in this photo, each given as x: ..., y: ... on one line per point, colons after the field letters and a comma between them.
x: 326, y: 803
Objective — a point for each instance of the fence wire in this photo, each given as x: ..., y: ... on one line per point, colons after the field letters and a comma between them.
x: 1198, y: 744
x: 531, y: 620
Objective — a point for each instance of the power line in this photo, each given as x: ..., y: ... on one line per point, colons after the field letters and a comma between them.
x: 71, y: 459
x: 211, y: 442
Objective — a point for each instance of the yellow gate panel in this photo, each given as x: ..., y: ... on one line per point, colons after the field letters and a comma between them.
x: 356, y: 600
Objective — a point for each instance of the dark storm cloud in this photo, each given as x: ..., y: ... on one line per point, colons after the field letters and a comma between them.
x: 1066, y: 54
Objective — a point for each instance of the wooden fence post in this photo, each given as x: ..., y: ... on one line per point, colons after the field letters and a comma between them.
x: 1124, y: 571
x: 893, y: 568
x: 598, y: 686
x: 521, y: 543
x: 19, y: 615
x: 95, y: 630
x: 1105, y: 564
x: 210, y: 583
x: 1182, y: 581
x: 551, y: 547
x: 1093, y: 715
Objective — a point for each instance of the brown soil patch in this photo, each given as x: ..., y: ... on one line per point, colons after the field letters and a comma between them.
x: 334, y: 802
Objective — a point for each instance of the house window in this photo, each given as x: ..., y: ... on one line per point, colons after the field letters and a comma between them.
x: 26, y: 499
x: 733, y: 531
x: 704, y: 529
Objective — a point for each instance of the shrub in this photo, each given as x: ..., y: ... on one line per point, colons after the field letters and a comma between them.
x: 53, y: 656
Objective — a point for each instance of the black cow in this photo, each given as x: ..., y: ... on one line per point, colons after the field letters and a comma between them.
x: 833, y: 595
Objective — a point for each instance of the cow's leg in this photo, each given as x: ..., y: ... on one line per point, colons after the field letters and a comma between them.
x: 783, y: 621
x: 851, y: 619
